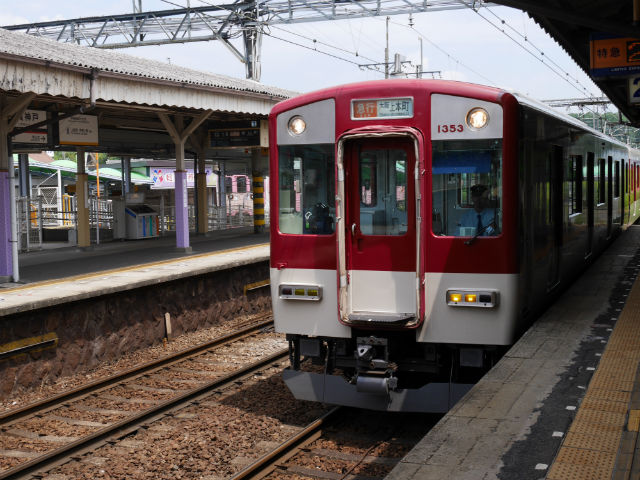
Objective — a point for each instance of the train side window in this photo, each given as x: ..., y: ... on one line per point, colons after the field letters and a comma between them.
x: 467, y: 187
x: 575, y: 184
x: 306, y: 189
x: 616, y: 180
x: 601, y: 191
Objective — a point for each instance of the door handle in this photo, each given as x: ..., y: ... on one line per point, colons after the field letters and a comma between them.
x: 353, y: 229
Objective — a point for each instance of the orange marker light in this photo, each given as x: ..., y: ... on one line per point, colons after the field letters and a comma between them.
x: 455, y: 297
x: 470, y: 298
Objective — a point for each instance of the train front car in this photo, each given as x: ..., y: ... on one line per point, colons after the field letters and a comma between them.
x: 393, y: 240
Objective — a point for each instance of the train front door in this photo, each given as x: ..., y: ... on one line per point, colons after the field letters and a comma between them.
x: 380, y: 237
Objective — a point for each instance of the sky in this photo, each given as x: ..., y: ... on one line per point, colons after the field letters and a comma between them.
x: 459, y: 44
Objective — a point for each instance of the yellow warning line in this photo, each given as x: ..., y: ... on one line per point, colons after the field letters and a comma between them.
x: 591, y: 445
x: 127, y: 269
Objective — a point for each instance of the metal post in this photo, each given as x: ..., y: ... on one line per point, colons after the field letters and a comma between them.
x: 386, y: 53
x: 14, y: 224
x: 59, y: 199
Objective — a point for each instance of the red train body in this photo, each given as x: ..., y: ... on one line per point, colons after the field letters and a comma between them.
x: 419, y: 226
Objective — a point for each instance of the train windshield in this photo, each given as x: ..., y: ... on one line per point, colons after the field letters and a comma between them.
x: 467, y: 187
x: 307, y: 185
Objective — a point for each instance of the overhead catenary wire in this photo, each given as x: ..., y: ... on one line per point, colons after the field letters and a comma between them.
x: 544, y: 59
x: 312, y: 49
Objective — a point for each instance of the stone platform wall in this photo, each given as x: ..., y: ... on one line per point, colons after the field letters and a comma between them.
x: 103, y: 328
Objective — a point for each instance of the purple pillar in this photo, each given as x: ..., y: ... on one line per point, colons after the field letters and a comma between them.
x: 6, y: 258
x: 182, y: 213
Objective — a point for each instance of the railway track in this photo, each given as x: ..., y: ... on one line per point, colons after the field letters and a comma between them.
x: 343, y: 444
x: 137, y: 396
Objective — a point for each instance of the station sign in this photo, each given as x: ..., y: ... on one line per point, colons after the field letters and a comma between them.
x: 79, y: 130
x: 252, y: 133
x: 614, y: 56
x: 634, y: 89
x: 37, y: 135
x: 165, y: 178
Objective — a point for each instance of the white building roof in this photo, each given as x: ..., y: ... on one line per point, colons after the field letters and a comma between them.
x: 46, y: 67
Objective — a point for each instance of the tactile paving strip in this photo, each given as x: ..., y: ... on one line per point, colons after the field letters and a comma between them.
x: 589, y: 449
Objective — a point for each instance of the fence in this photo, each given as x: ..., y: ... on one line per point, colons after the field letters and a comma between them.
x: 33, y: 214
x: 29, y: 217
x: 101, y: 221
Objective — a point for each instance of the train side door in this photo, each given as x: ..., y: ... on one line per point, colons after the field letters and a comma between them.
x: 380, y: 246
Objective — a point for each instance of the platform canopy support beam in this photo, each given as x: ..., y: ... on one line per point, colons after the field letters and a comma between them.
x: 179, y: 134
x: 10, y: 111
x: 259, y: 168
x: 82, y: 200
x: 199, y: 140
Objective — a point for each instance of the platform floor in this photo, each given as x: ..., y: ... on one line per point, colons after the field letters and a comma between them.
x: 70, y: 274
x: 564, y: 402
x: 65, y: 261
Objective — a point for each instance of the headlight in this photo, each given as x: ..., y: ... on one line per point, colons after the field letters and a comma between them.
x: 297, y: 125
x: 477, y: 118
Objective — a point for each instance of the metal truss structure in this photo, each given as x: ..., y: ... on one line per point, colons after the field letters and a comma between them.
x: 224, y: 22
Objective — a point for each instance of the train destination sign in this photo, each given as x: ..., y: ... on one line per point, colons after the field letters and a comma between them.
x: 614, y: 56
x: 382, y: 108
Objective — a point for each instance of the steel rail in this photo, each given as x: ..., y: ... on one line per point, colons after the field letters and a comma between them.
x: 267, y: 463
x: 12, y: 416
x: 130, y: 424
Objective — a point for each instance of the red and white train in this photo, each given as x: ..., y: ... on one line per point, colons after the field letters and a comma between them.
x: 419, y: 226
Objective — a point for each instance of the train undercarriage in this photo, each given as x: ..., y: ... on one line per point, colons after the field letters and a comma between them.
x: 385, y: 370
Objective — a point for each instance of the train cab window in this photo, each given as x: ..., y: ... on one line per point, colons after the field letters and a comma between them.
x: 383, y: 192
x: 307, y: 185
x: 467, y: 187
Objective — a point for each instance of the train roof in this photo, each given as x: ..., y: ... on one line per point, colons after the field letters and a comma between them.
x: 466, y: 88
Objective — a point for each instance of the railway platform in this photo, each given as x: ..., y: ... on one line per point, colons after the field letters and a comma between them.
x: 564, y: 402
x: 87, y: 307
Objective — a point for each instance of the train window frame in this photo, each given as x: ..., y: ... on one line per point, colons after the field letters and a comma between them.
x: 575, y: 178
x: 616, y: 179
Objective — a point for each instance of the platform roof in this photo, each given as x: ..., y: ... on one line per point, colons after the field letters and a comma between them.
x: 572, y: 22
x: 26, y: 61
x: 129, y: 94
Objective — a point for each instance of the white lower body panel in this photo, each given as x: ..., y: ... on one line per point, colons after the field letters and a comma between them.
x: 306, y: 317
x: 377, y: 291
x: 469, y: 325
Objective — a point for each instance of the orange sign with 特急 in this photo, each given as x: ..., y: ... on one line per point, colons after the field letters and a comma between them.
x: 615, y: 56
